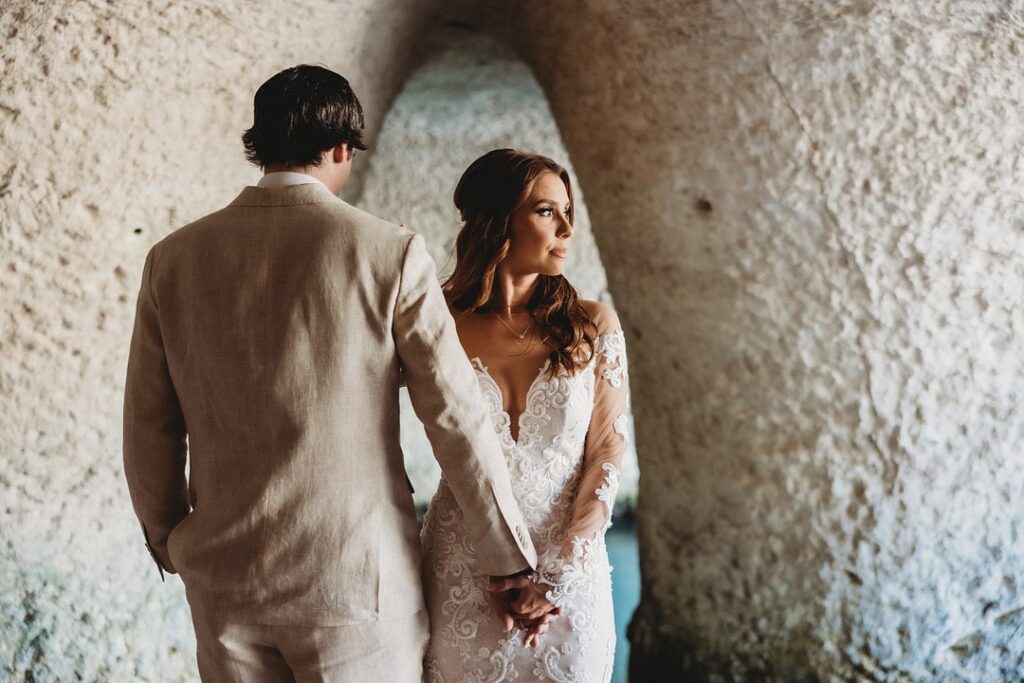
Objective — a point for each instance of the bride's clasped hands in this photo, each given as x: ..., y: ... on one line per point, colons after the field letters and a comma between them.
x: 522, y: 603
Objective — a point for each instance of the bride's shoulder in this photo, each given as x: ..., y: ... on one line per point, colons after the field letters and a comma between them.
x: 603, y: 315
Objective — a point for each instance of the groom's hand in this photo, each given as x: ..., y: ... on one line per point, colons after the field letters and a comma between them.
x: 520, y: 602
x: 527, y: 600
x: 501, y: 590
x: 535, y: 628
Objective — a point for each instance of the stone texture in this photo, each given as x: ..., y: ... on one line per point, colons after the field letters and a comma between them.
x: 821, y: 276
x: 809, y: 213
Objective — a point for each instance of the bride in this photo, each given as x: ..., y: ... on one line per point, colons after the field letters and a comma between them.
x: 553, y: 370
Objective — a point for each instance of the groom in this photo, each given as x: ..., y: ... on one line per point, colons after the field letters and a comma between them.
x: 270, y: 338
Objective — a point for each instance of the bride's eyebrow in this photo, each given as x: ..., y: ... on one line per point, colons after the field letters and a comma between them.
x: 547, y: 201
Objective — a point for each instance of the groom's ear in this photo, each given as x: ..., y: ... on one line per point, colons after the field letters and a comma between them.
x: 342, y: 153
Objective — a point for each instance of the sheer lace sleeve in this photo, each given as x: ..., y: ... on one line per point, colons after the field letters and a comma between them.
x: 604, y: 449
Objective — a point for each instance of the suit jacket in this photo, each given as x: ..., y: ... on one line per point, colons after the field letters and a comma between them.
x: 269, y: 342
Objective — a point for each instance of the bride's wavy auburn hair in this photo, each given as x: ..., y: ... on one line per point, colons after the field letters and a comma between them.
x: 489, y: 192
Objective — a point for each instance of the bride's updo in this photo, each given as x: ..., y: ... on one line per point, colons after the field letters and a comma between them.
x: 487, y: 195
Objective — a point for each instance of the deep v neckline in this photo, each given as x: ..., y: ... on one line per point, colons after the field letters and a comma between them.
x: 514, y: 438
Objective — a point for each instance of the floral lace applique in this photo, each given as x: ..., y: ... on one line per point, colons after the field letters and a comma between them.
x: 621, y: 427
x: 613, y: 347
x: 500, y: 419
x: 547, y: 466
x: 606, y: 493
x: 546, y: 393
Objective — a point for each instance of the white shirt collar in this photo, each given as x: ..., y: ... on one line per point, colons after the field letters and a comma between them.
x: 286, y: 178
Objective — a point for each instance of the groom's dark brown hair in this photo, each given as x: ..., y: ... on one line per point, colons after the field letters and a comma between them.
x: 298, y: 114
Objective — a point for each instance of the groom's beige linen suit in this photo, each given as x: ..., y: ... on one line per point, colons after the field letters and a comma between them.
x: 269, y: 342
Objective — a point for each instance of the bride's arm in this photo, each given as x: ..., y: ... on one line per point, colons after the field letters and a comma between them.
x: 604, y: 450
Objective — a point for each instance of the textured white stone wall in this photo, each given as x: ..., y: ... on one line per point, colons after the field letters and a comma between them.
x: 810, y: 216
x: 472, y: 95
x: 816, y: 221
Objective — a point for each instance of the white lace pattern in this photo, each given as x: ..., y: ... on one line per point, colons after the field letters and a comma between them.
x: 565, y: 468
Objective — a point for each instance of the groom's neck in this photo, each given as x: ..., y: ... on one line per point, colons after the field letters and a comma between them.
x: 281, y: 168
x: 322, y: 173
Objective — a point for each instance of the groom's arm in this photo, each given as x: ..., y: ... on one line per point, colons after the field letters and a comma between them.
x: 447, y: 399
x: 154, y: 431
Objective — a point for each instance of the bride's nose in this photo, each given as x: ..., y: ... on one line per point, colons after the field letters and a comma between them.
x: 564, y: 228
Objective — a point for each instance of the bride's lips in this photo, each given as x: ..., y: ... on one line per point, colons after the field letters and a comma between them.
x: 559, y: 253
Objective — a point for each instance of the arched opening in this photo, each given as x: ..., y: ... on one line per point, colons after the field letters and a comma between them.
x: 473, y: 94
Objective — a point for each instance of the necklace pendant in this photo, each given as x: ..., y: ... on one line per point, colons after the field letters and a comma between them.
x: 519, y: 335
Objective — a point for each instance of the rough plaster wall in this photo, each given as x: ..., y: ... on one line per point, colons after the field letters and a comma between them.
x: 816, y: 221
x: 473, y: 95
x: 118, y: 123
x: 809, y: 213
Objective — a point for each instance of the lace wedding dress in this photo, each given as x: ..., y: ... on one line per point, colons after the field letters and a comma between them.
x: 565, y: 468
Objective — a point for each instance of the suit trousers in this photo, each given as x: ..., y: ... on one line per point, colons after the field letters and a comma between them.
x: 389, y: 650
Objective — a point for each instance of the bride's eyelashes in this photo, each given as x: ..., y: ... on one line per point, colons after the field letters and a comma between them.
x: 549, y: 211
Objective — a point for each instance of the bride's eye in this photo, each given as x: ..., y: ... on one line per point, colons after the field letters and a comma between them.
x: 547, y: 212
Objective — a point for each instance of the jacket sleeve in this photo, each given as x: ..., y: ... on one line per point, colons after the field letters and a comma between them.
x: 447, y: 399
x: 154, y: 431
x: 604, y: 450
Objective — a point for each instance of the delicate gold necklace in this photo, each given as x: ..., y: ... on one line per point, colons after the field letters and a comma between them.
x: 519, y: 335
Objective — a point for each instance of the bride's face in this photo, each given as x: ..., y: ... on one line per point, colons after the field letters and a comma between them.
x: 541, y: 229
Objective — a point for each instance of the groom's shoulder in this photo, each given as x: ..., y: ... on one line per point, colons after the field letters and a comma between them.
x: 195, y: 228
x: 336, y: 217
x: 368, y: 225
x: 366, y: 236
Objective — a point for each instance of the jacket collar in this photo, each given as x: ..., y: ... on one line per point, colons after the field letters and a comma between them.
x: 290, y: 195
